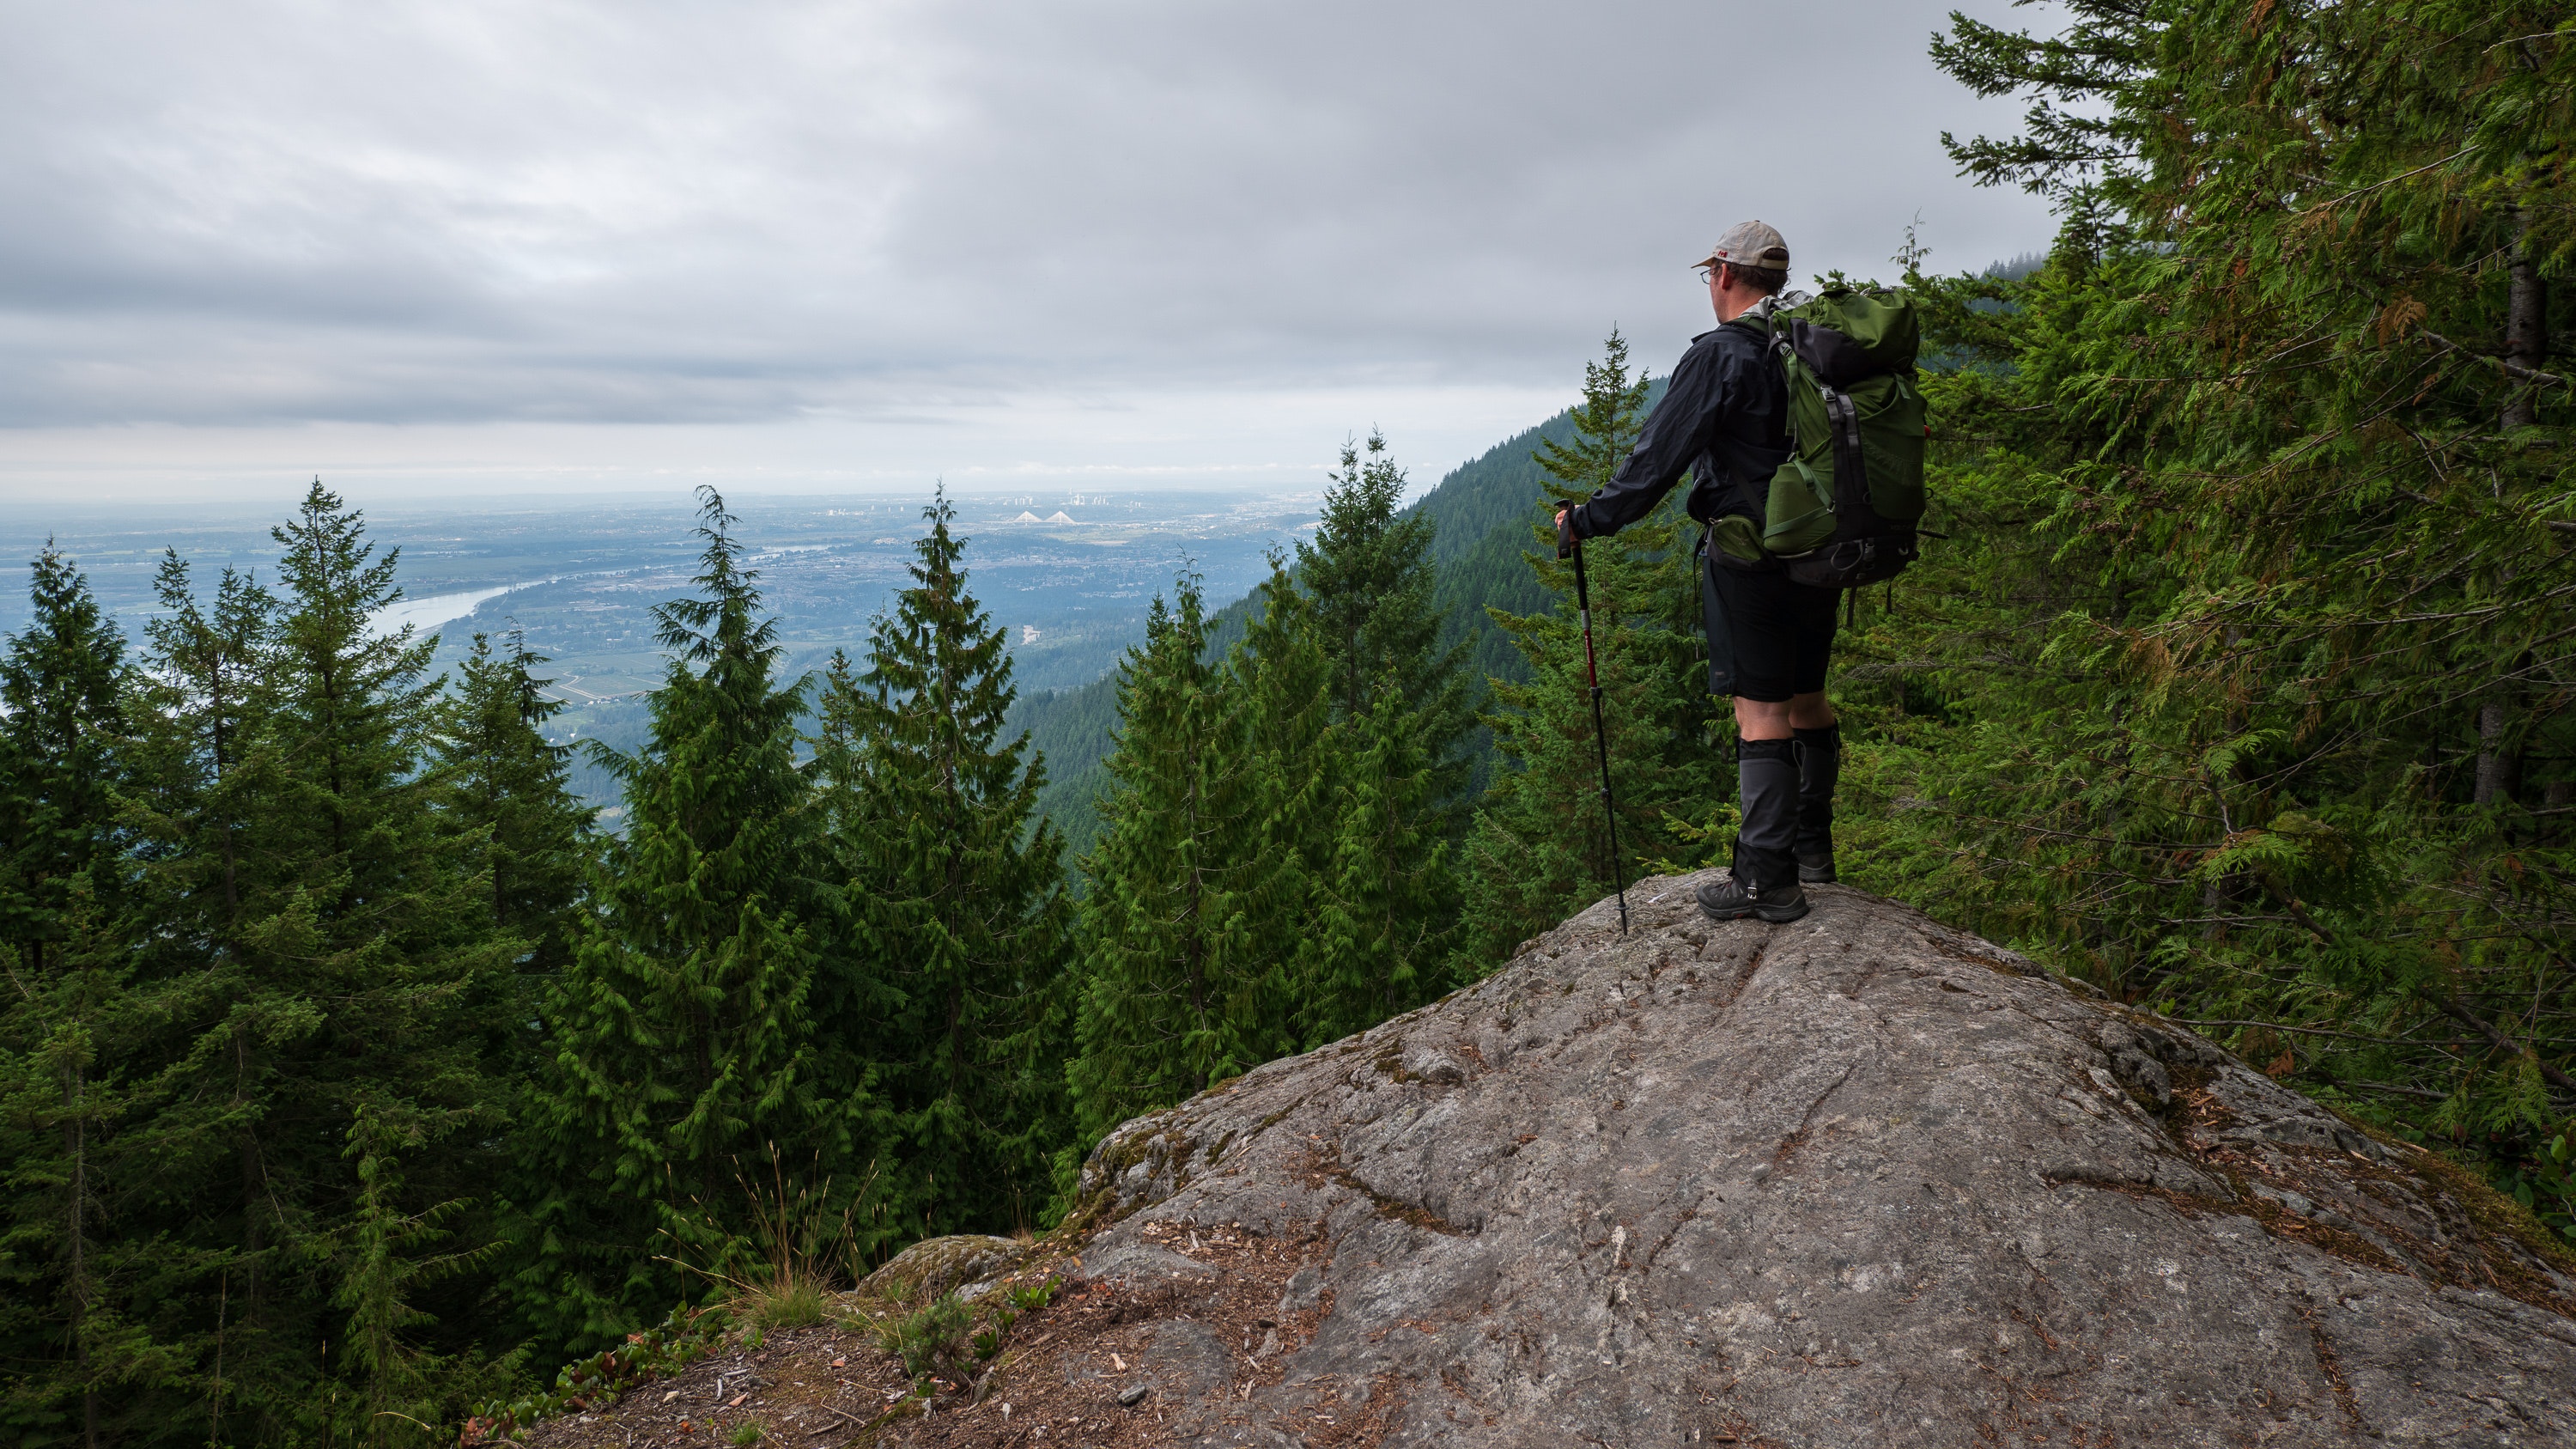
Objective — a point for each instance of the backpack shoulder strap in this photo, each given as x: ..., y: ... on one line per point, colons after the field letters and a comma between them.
x: 1841, y: 414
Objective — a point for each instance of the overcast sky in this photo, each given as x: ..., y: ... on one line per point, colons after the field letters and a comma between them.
x: 508, y: 246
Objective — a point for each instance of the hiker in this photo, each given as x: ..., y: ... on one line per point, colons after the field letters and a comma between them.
x: 1724, y: 420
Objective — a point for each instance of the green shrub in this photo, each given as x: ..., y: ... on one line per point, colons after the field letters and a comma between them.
x: 930, y: 1339
x: 1029, y: 1297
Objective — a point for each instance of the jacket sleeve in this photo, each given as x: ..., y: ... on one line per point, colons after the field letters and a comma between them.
x: 1676, y: 433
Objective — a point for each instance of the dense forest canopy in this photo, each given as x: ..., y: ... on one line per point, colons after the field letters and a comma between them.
x: 350, y: 1076
x: 2241, y: 684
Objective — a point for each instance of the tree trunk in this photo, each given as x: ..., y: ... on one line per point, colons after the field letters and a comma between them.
x: 2526, y: 331
x: 2498, y: 767
x: 220, y: 777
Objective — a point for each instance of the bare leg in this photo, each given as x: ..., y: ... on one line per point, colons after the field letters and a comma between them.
x: 1762, y: 719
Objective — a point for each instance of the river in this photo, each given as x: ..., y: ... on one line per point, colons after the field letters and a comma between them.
x: 429, y: 613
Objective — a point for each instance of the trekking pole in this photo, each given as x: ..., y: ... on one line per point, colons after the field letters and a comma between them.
x: 1573, y: 545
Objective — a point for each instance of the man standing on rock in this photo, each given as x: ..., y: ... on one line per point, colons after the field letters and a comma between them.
x: 1724, y: 420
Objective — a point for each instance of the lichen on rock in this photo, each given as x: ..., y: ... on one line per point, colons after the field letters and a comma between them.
x: 960, y: 1263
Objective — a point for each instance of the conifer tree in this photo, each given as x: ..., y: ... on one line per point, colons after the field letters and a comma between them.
x: 961, y: 894
x: 1393, y: 774
x: 203, y: 787
x: 1368, y: 570
x: 1540, y: 844
x: 699, y: 1026
x: 509, y: 789
x: 2236, y: 682
x: 85, y: 1288
x: 1282, y: 693
x: 358, y: 956
x: 59, y: 709
x: 1385, y: 923
x: 386, y: 1254
x: 206, y: 760
x: 73, y: 1021
x: 300, y: 942
x: 1176, y: 991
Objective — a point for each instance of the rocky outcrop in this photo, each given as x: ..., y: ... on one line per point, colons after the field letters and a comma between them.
x: 960, y: 1263
x: 1857, y: 1180
x: 1860, y: 1179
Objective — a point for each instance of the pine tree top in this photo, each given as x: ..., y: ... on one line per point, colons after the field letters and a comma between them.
x: 1606, y: 423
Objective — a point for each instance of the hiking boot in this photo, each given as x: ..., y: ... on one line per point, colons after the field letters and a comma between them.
x: 1764, y: 880
x: 1732, y: 900
x: 1816, y: 869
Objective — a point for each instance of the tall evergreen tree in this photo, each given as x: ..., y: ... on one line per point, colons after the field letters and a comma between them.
x: 308, y: 943
x: 1281, y: 692
x: 82, y: 1349
x: 699, y: 1026
x: 360, y: 954
x: 385, y: 1254
x: 1368, y: 570
x: 206, y: 760
x: 528, y: 839
x: 509, y: 789
x: 98, y: 1350
x: 1176, y: 992
x: 1391, y: 780
x: 59, y: 709
x: 206, y: 775
x: 1309, y: 784
x: 1540, y: 845
x: 1385, y: 924
x: 961, y: 893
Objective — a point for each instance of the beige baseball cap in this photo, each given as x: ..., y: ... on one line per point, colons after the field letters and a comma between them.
x: 1750, y: 244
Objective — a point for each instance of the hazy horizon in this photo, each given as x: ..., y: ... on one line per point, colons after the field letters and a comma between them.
x: 479, y: 251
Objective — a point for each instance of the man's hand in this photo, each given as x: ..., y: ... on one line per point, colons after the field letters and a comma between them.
x: 1564, y: 535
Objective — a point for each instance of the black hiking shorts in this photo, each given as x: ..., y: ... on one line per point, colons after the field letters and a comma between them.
x: 1768, y: 638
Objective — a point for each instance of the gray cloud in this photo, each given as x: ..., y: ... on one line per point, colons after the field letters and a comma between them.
x: 277, y: 211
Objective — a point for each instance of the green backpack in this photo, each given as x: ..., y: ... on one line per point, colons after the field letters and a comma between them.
x: 1843, y: 508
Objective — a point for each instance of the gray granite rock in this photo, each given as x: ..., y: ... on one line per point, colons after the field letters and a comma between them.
x: 1860, y: 1179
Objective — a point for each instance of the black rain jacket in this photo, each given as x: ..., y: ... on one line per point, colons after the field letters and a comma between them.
x: 1724, y: 420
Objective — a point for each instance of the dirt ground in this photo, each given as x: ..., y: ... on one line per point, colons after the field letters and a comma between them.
x: 1058, y: 1379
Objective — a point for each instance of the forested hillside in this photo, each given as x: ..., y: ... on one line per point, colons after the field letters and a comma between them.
x: 1482, y: 512
x: 350, y: 1076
